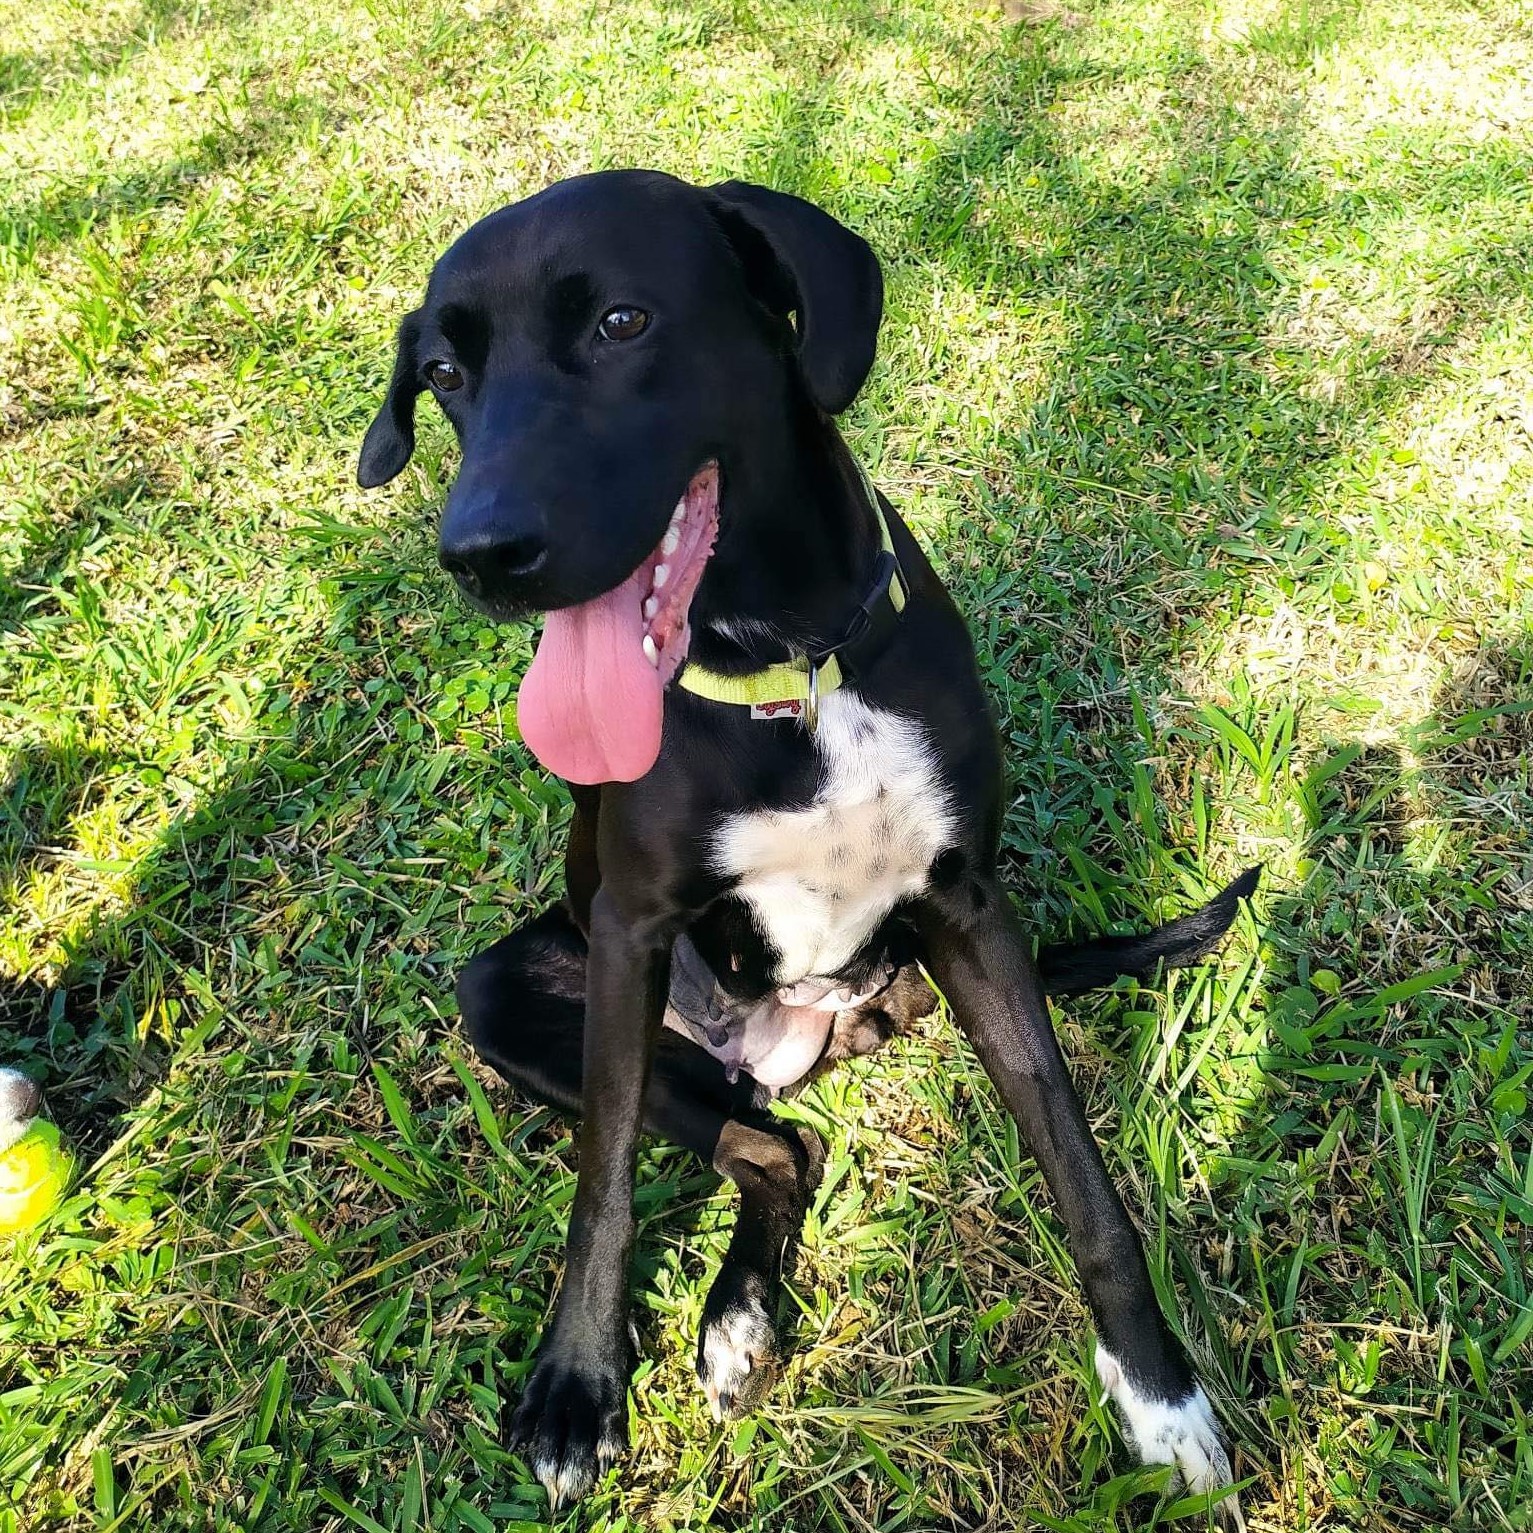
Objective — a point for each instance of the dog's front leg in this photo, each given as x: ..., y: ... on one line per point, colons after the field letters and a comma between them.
x: 572, y: 1420
x: 980, y: 960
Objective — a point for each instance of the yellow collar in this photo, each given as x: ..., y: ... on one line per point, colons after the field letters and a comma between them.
x: 794, y: 687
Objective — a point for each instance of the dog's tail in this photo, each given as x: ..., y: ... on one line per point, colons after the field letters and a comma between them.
x: 1072, y: 969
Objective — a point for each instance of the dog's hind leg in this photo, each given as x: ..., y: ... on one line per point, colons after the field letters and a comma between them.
x: 523, y: 1005
x: 777, y: 1167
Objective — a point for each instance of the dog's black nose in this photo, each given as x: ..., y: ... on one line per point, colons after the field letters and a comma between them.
x: 483, y: 562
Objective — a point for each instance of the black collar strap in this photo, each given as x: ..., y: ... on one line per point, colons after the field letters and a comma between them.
x: 793, y: 688
x: 873, y: 622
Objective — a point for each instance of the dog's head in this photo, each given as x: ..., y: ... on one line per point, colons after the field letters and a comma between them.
x: 606, y: 352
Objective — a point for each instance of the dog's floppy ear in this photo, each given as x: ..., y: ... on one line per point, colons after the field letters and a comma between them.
x: 799, y: 259
x: 391, y: 438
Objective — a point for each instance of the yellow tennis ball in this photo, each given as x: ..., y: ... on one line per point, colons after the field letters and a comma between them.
x: 33, y: 1174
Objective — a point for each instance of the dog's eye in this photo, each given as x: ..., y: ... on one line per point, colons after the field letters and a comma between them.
x: 623, y: 323
x: 444, y: 377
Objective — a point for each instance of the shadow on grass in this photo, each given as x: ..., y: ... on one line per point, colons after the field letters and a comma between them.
x: 46, y: 577
x: 1380, y: 1158
x: 103, y: 314
x: 105, y: 51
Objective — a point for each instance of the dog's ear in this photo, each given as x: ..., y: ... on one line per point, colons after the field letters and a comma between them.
x: 798, y: 259
x: 391, y: 438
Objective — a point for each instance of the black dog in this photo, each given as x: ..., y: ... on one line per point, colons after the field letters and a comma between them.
x: 788, y: 780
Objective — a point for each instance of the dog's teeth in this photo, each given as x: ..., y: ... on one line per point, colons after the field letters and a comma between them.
x: 680, y: 512
x: 669, y: 542
x: 651, y: 607
x: 662, y: 574
x: 651, y: 651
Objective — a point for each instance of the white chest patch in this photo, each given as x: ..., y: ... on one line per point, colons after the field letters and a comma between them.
x: 819, y: 880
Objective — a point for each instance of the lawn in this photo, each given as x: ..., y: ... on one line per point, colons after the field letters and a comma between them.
x: 1206, y: 379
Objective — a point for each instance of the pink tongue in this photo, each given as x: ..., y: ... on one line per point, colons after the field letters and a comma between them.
x: 590, y: 705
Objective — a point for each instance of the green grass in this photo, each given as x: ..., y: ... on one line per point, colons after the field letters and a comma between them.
x: 1207, y: 380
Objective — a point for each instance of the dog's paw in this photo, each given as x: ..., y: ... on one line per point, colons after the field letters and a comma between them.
x: 737, y: 1356
x: 1182, y: 1433
x: 571, y: 1424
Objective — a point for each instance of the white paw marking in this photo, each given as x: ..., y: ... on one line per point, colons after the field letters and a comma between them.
x: 568, y: 1479
x: 738, y: 1352
x: 565, y: 1480
x: 610, y: 1447
x: 1183, y: 1433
